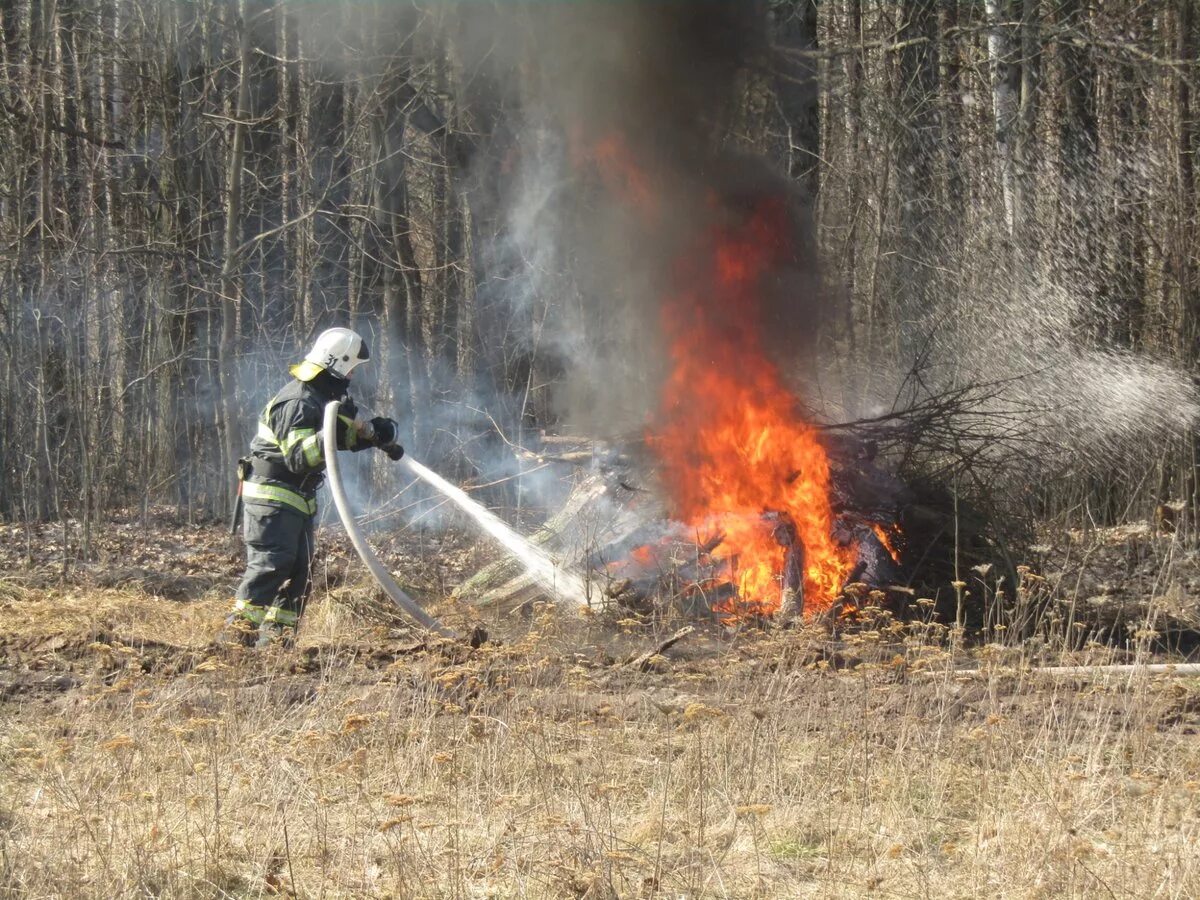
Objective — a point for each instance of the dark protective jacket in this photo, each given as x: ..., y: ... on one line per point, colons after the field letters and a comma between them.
x: 286, y: 465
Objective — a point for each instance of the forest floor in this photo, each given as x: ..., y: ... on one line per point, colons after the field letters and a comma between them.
x: 138, y: 758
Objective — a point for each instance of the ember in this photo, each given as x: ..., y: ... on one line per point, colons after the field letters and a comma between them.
x: 888, y: 540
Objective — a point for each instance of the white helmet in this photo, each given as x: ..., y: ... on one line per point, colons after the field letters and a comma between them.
x: 337, y: 350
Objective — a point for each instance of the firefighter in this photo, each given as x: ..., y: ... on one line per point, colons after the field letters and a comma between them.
x: 279, y: 482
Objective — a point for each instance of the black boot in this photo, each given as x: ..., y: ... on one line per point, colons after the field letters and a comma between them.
x: 273, y: 634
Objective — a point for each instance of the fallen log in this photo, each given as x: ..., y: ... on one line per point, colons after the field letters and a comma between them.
x: 642, y: 661
x: 1181, y: 670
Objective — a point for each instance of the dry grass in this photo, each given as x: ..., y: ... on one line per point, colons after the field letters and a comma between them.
x: 137, y: 760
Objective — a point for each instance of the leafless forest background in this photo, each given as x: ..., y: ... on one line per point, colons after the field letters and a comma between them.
x: 190, y: 190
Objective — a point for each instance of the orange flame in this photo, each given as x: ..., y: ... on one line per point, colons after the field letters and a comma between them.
x: 886, y: 539
x: 730, y: 442
x: 644, y: 556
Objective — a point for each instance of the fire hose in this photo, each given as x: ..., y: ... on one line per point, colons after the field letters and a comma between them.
x: 376, y: 568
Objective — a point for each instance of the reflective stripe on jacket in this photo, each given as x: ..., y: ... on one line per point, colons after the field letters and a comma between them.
x: 289, y: 439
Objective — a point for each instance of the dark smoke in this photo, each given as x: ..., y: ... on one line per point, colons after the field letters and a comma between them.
x: 624, y: 164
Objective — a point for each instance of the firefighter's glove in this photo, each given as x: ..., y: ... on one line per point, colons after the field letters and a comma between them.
x: 348, y: 409
x: 384, y: 431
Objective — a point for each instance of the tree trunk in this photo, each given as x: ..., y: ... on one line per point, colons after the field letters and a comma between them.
x: 306, y: 241
x: 797, y: 90
x: 286, y: 125
x: 1187, y: 245
x: 1026, y: 133
x: 1005, y: 80
x: 919, y: 143
x: 231, y: 282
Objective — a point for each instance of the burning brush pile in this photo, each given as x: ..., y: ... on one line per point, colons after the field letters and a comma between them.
x: 752, y: 549
x: 764, y: 526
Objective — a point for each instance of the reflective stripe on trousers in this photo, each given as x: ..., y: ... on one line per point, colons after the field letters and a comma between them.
x: 248, y: 611
x: 280, y: 616
x: 258, y: 615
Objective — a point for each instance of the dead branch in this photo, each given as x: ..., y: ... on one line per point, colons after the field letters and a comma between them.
x: 642, y: 661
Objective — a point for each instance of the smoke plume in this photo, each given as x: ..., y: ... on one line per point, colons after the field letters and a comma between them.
x: 623, y: 164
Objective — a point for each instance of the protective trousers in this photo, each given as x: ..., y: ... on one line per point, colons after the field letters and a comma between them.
x: 279, y: 553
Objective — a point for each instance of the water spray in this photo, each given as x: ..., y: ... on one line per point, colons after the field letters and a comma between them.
x: 558, y: 582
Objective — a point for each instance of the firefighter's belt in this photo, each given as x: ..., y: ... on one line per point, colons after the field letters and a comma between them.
x: 277, y: 493
x: 269, y: 470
